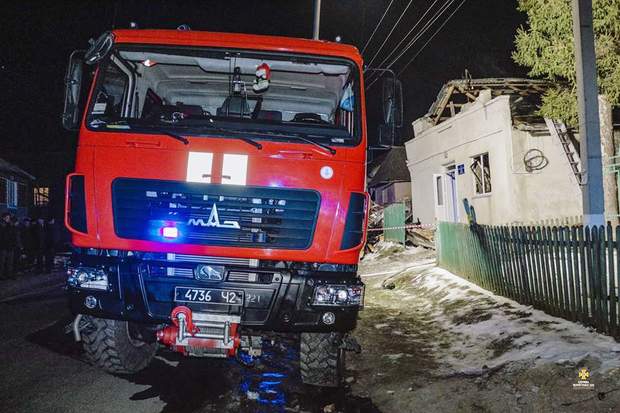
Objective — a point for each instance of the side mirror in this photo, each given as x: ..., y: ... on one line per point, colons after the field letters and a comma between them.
x: 392, y: 100
x: 73, y: 84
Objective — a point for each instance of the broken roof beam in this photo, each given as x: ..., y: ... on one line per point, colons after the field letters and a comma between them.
x: 441, y: 106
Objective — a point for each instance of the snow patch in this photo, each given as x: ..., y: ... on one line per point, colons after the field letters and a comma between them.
x: 483, y: 330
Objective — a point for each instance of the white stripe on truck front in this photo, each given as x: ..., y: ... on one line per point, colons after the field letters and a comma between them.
x: 200, y: 165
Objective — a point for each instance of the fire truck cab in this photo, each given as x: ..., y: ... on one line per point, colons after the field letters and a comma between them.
x: 218, y: 196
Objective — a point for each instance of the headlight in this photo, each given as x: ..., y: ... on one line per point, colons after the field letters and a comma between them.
x: 338, y: 294
x: 87, y: 277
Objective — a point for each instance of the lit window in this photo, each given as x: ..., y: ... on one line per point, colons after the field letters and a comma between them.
x: 482, y: 173
x: 41, y: 195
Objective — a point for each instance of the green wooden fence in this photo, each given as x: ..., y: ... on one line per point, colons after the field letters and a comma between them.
x: 570, y: 272
x: 394, y: 220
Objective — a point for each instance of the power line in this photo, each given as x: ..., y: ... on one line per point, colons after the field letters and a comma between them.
x: 424, y: 29
x: 415, y: 37
x: 390, y: 33
x: 431, y: 38
x: 408, y: 33
x: 377, y: 26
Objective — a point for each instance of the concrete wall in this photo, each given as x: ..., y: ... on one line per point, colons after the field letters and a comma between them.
x: 517, y: 195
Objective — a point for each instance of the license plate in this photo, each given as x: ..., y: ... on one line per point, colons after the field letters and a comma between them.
x: 208, y: 296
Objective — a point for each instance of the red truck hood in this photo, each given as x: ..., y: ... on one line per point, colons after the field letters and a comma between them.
x: 108, y: 156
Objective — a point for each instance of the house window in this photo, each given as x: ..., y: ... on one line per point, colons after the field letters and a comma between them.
x: 11, y: 194
x: 482, y: 173
x: 41, y: 195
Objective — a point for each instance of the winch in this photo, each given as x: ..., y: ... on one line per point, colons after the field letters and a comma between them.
x: 201, y: 334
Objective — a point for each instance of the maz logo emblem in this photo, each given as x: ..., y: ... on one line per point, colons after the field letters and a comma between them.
x: 213, y: 221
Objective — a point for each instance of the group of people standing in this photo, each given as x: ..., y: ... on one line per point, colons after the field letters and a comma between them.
x: 27, y: 244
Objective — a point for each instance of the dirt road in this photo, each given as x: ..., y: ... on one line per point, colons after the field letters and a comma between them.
x: 431, y: 343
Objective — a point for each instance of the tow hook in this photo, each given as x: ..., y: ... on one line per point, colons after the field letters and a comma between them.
x: 349, y: 343
x: 76, y: 327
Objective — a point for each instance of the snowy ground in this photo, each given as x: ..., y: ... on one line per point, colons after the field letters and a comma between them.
x: 435, y: 342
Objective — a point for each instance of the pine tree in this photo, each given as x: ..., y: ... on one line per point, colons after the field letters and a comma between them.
x: 546, y: 47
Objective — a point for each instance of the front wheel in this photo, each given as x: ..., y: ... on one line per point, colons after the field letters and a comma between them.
x: 321, y: 359
x: 116, y: 346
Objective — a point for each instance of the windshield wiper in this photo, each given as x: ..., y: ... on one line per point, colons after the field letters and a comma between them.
x: 172, y: 135
x: 163, y: 131
x: 128, y: 125
x: 299, y: 137
x: 329, y: 149
x: 227, y: 132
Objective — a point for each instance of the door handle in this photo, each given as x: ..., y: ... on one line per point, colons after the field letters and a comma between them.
x: 143, y: 143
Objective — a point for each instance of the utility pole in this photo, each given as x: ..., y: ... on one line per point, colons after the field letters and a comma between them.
x: 589, y: 126
x: 317, y: 19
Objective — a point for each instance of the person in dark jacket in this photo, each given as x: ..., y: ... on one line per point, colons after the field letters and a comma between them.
x: 19, y: 246
x: 39, y: 235
x: 28, y: 243
x: 7, y: 245
x: 52, y: 239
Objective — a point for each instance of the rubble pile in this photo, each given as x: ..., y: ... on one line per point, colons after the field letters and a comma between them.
x: 416, y: 234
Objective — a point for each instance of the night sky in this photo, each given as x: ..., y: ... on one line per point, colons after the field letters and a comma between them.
x: 37, y: 38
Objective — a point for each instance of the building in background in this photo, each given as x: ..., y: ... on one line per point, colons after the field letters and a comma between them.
x: 483, y: 142
x: 389, y: 179
x: 16, y: 193
x: 51, y: 169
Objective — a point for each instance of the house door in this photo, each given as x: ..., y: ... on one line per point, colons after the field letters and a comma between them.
x: 439, y: 189
x: 452, y: 206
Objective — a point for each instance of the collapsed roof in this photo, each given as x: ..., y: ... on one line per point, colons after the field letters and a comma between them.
x: 456, y: 95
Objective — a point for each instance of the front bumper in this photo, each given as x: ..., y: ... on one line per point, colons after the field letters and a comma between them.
x: 276, y: 299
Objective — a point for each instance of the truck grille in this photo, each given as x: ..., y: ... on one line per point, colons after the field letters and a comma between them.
x: 213, y: 214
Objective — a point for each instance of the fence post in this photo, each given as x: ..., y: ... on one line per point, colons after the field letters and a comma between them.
x: 564, y: 271
x: 611, y: 287
x: 572, y: 269
x: 602, y: 281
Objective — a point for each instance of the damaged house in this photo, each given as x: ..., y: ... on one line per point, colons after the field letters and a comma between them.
x: 482, y: 144
x: 389, y: 179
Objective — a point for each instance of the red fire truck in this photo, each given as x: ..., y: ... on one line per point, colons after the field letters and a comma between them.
x: 218, y: 196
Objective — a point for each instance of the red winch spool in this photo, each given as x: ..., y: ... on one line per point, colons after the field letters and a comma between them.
x: 185, y: 334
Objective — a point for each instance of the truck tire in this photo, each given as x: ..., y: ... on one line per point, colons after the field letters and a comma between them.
x: 110, y: 346
x: 321, y: 360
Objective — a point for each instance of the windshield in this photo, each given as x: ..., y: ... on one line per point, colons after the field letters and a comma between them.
x: 207, y: 92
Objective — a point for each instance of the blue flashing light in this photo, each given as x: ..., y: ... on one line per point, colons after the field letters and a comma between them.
x: 170, y: 232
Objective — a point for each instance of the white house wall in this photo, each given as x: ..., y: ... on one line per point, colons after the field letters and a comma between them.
x: 517, y: 196
x: 547, y: 194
